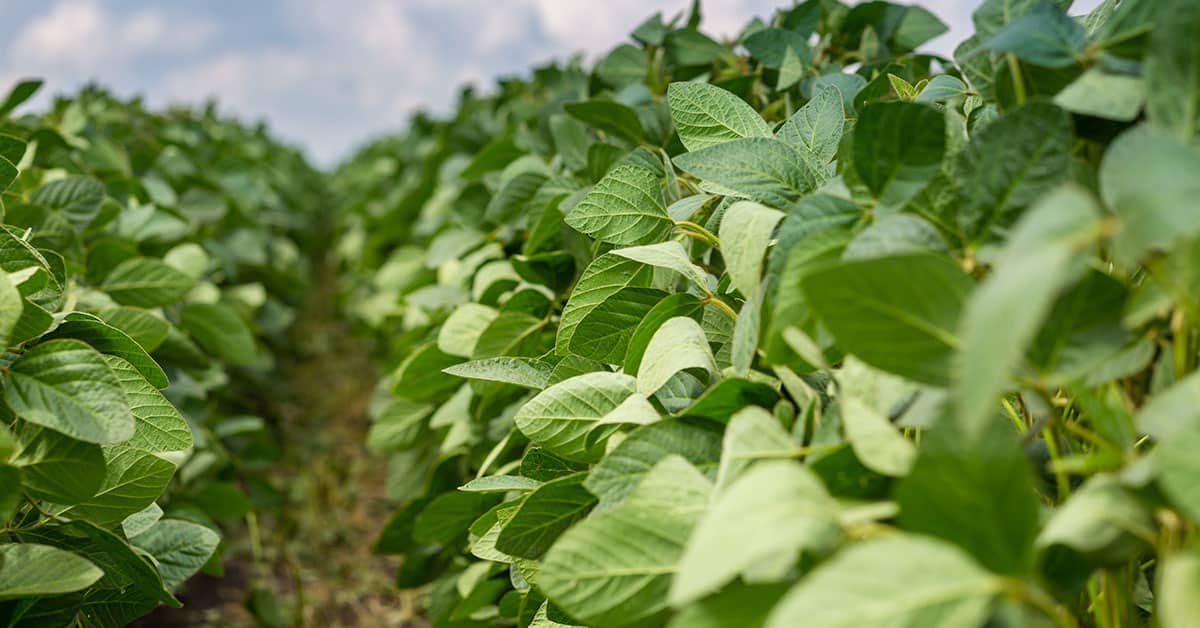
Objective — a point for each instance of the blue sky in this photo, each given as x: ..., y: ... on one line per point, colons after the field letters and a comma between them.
x: 328, y: 74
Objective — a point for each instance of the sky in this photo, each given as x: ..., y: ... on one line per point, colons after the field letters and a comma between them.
x: 328, y: 74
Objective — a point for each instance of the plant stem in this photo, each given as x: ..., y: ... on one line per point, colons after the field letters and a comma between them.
x: 1014, y: 67
x: 723, y: 306
x: 705, y: 233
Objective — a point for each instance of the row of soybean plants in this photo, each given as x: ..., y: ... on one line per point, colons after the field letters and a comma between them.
x: 803, y: 328
x: 150, y: 263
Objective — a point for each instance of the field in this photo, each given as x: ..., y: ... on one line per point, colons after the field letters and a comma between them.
x: 806, y: 328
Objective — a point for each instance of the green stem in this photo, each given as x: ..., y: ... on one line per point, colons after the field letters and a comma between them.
x: 1018, y: 81
x: 723, y: 306
x: 698, y: 229
x: 1035, y: 597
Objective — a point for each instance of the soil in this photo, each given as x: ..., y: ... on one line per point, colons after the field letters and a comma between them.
x: 311, y: 563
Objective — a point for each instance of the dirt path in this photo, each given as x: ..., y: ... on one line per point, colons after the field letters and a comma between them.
x: 311, y: 562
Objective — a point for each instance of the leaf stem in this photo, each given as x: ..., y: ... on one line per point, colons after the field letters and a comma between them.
x: 721, y: 305
x: 687, y: 225
x: 1035, y: 597
x: 1014, y: 68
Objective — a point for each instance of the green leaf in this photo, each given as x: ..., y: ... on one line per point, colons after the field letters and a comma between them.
x: 21, y: 92
x: 974, y: 489
x: 1104, y: 95
x: 449, y: 515
x: 29, y: 570
x: 420, y: 377
x: 1172, y: 69
x: 619, y: 472
x: 159, y: 428
x: 603, y: 335
x: 816, y: 128
x: 78, y: 198
x: 705, y: 115
x: 625, y: 207
x: 145, y: 282
x: 560, y: 417
x: 1045, y: 36
x: 893, y: 581
x: 527, y: 372
x: 679, y: 344
x: 761, y: 169
x: 111, y: 341
x: 67, y: 386
x: 133, y: 479
x: 220, y: 330
x: 500, y: 484
x: 602, y: 278
x: 898, y: 148
x: 729, y: 395
x: 678, y: 304
x: 778, y: 508
x: 56, y: 468
x: 752, y: 434
x: 745, y: 234
x: 461, y: 331
x: 771, y: 46
x: 941, y: 88
x: 1004, y: 313
x: 145, y: 328
x: 1011, y: 163
x: 1102, y: 521
x: 875, y: 440
x: 1143, y: 182
x: 179, y: 548
x: 899, y: 314
x: 735, y: 606
x: 512, y: 334
x: 543, y: 515
x: 608, y: 116
x: 669, y: 255
x: 616, y: 566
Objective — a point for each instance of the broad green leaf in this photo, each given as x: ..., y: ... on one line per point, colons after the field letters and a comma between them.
x: 752, y: 434
x: 620, y: 471
x: 67, y: 386
x: 672, y: 306
x: 941, y: 88
x: 145, y: 328
x: 603, y: 335
x: 679, y: 344
x: 758, y: 168
x: 527, y: 372
x: 1177, y: 468
x: 729, y: 395
x: 705, y: 115
x: 29, y: 570
x: 1104, y: 95
x: 21, y: 92
x: 616, y: 566
x: 1011, y: 163
x: 56, y: 468
x: 145, y: 282
x: 1045, y: 36
x: 448, y: 516
x: 974, y: 489
x: 777, y: 508
x: 899, y: 314
x: 78, y: 198
x: 111, y: 341
x: 179, y: 548
x: 159, y: 428
x: 608, y: 116
x: 669, y: 255
x: 891, y: 581
x: 560, y: 417
x: 1172, y: 69
x: 816, y: 128
x: 898, y: 148
x: 220, y: 330
x: 500, y: 484
x: 420, y: 377
x: 602, y: 278
x: 543, y: 515
x: 1004, y: 313
x: 735, y: 606
x: 745, y: 234
x: 133, y: 479
x: 1143, y: 182
x: 461, y: 331
x: 512, y: 333
x: 399, y: 426
x: 895, y: 234
x: 625, y: 207
x: 875, y: 440
x: 1102, y: 521
x: 141, y: 521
